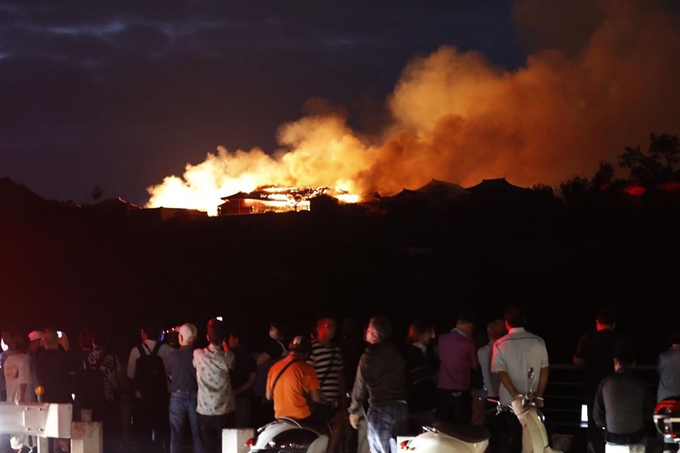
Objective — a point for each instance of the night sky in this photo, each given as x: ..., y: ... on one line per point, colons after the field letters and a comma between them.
x: 123, y: 93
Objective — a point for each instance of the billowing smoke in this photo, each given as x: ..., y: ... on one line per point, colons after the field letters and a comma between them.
x: 459, y: 118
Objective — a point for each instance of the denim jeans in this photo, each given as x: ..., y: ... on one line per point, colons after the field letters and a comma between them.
x: 183, y: 411
x: 386, y: 422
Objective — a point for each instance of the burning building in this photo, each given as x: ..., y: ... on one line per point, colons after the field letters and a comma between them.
x: 285, y: 199
x: 270, y: 199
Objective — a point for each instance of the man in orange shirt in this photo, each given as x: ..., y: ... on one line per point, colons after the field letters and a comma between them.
x: 290, y: 379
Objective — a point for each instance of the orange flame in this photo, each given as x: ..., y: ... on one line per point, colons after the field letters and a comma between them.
x: 458, y: 118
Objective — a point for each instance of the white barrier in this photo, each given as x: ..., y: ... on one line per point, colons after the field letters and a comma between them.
x: 49, y: 420
x: 234, y: 440
x: 37, y: 419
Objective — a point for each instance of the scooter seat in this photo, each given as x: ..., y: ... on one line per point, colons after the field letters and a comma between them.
x: 320, y: 428
x: 466, y: 433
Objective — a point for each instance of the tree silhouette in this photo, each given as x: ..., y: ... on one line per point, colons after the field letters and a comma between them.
x: 603, y: 177
x: 655, y: 166
x: 574, y: 189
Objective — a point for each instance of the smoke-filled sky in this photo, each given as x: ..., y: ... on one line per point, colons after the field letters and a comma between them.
x: 364, y: 96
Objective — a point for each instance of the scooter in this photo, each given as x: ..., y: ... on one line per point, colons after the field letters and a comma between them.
x: 444, y: 437
x: 447, y: 437
x: 285, y: 434
x: 290, y: 436
x: 534, y: 435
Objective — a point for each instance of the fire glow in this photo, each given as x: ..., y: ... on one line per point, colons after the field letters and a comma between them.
x: 456, y: 117
x: 278, y: 199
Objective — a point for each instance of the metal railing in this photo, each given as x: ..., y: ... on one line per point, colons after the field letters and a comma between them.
x: 565, y: 404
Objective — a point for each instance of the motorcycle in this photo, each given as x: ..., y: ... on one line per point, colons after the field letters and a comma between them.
x: 444, y: 437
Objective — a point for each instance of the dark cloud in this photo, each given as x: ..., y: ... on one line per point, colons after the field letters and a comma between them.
x: 127, y: 92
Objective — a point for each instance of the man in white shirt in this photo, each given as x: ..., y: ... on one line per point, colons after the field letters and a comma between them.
x: 18, y: 376
x: 216, y: 405
x: 513, y: 356
x: 151, y: 417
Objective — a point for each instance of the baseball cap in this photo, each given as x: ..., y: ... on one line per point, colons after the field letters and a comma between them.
x: 35, y: 335
x: 300, y: 343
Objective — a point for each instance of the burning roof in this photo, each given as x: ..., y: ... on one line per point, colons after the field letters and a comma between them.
x: 276, y: 199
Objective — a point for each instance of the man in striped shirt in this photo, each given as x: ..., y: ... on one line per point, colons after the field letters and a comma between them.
x: 326, y: 358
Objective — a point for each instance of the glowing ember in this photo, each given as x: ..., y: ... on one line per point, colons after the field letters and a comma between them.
x: 671, y: 186
x: 635, y: 191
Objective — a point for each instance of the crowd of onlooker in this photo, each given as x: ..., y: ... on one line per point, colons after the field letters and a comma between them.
x: 174, y: 391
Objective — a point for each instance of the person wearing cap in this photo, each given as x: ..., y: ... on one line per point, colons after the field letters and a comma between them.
x: 183, y: 390
x: 35, y: 340
x: 215, y: 403
x: 381, y: 377
x: 290, y: 379
x: 35, y: 348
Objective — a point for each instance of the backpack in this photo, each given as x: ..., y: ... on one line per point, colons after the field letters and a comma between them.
x: 150, y: 377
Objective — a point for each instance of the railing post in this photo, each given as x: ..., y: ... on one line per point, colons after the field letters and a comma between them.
x: 43, y: 444
x: 234, y: 440
x: 87, y: 437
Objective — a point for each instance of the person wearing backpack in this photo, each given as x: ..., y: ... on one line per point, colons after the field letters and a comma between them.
x: 147, y: 368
